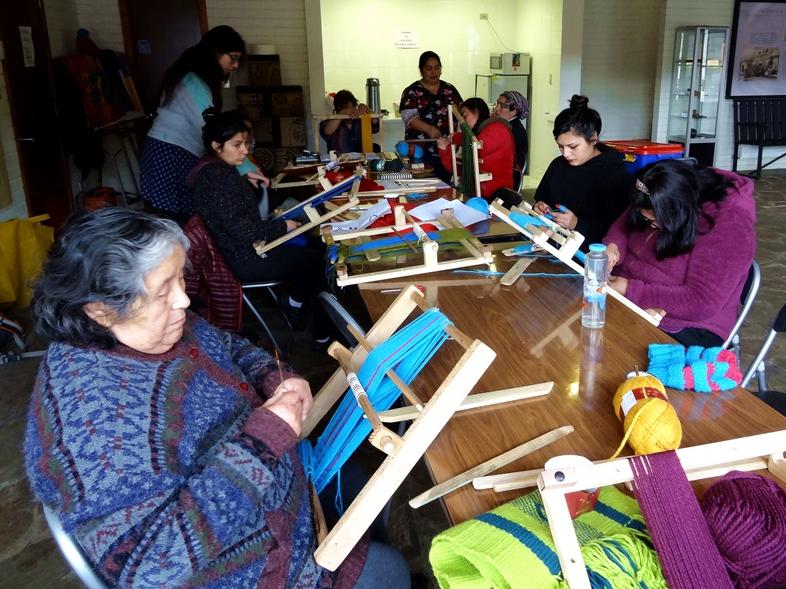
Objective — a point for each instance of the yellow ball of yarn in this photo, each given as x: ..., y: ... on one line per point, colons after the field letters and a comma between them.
x: 649, y: 420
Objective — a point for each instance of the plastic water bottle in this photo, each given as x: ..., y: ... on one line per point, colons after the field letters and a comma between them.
x: 596, y: 276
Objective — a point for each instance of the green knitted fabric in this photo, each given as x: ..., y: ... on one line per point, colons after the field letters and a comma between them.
x: 511, y: 547
x: 467, y: 187
x: 448, y: 239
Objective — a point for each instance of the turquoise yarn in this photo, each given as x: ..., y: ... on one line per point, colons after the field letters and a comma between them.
x: 703, y: 370
x: 406, y: 352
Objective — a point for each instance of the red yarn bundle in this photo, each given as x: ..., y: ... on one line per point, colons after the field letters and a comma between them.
x: 746, y: 514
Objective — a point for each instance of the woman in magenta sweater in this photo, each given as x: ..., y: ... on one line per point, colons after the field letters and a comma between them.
x: 685, y: 246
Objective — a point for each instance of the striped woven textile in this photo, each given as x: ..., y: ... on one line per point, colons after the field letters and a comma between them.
x: 511, y: 547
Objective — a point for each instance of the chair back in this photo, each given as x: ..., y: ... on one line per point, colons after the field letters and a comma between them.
x: 748, y: 295
x: 72, y: 552
x: 340, y: 318
x: 757, y: 366
x: 215, y: 292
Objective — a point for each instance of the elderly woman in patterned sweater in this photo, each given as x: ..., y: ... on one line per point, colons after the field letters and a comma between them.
x: 166, y: 446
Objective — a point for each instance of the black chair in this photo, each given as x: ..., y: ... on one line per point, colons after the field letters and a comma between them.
x: 775, y: 399
x: 760, y: 122
x: 341, y: 318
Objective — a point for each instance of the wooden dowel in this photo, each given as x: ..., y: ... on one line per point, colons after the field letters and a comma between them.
x: 490, y: 465
x: 476, y: 401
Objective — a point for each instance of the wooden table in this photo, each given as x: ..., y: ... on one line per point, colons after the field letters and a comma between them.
x: 535, y: 328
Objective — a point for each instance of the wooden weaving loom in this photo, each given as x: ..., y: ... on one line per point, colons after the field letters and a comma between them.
x: 474, y: 174
x: 315, y: 219
x: 402, y: 452
x: 568, y: 244
x: 699, y: 462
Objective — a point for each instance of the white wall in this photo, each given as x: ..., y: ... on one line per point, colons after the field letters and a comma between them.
x: 708, y: 12
x: 10, y: 160
x: 62, y: 23
x: 618, y: 64
x: 539, y: 33
x: 358, y: 42
x: 102, y: 19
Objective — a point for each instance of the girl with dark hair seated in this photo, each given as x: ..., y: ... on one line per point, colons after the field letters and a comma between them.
x: 685, y: 247
x: 344, y: 135
x: 228, y: 206
x: 586, y: 188
x: 497, y: 154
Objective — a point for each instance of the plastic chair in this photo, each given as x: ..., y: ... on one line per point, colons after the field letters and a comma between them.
x: 72, y: 552
x: 747, y: 297
x: 340, y: 318
x: 757, y: 366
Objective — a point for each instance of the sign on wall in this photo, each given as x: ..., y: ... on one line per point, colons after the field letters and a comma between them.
x: 757, y: 55
x: 406, y: 40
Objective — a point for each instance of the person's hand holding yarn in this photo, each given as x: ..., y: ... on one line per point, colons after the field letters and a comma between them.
x: 443, y: 142
x: 565, y: 219
x: 541, y: 207
x: 291, y: 402
x: 291, y: 225
x: 433, y: 132
x: 619, y: 284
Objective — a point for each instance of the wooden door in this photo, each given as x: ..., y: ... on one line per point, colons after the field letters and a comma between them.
x: 155, y: 34
x: 28, y: 71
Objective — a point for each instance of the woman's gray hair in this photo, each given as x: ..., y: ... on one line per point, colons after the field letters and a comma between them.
x: 100, y: 257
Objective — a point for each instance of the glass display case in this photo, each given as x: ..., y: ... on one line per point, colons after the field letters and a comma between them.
x: 696, y: 82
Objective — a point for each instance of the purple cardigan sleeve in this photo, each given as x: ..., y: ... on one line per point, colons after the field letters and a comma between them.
x: 718, y: 259
x: 618, y: 234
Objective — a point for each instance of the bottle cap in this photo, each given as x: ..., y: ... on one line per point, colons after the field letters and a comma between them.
x: 597, y: 247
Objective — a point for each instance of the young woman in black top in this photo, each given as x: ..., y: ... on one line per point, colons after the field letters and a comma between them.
x: 587, y: 187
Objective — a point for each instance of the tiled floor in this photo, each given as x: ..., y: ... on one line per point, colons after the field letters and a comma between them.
x: 29, y: 558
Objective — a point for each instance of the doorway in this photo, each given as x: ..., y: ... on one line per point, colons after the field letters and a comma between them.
x: 28, y: 71
x: 155, y: 34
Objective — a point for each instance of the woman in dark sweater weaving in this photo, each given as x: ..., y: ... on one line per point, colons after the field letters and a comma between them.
x: 587, y: 187
x: 228, y: 206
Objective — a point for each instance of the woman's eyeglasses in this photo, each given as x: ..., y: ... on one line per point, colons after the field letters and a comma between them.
x: 234, y: 58
x: 503, y: 105
x: 646, y: 219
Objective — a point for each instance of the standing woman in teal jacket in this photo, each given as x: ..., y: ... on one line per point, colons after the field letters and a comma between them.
x: 174, y: 143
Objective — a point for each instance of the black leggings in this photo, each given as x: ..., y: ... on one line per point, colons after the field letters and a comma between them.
x: 695, y: 336
x: 301, y: 269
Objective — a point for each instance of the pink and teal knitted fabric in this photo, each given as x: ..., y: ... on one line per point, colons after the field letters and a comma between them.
x: 695, y: 368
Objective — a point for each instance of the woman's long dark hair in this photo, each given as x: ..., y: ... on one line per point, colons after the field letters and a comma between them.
x: 221, y: 127
x: 675, y: 192
x: 579, y: 118
x: 202, y: 59
x: 479, y: 106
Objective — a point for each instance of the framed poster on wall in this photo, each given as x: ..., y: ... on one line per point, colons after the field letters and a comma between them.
x: 757, y: 57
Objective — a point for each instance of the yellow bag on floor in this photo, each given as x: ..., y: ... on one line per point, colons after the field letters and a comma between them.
x: 24, y: 244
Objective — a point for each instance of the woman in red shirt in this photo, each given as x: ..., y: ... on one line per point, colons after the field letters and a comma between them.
x: 497, y: 152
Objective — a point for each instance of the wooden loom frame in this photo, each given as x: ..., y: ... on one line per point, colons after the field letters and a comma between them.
x: 569, y: 243
x: 476, y: 145
x: 403, y: 452
x: 699, y: 462
x: 478, y: 252
x: 315, y: 219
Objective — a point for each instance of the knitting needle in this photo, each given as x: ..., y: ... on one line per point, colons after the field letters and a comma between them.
x: 278, y: 363
x: 402, y: 238
x: 490, y: 465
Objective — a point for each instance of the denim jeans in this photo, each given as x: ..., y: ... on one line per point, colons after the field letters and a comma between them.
x: 385, y: 568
